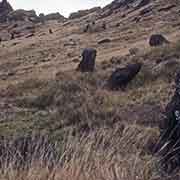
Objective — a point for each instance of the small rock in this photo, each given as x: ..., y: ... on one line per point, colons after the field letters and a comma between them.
x: 50, y: 31
x: 104, y: 41
x: 167, y: 8
x: 133, y: 51
x: 30, y: 35
x: 75, y: 60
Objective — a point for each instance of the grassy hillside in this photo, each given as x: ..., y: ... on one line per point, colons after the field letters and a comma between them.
x: 97, y: 132
x: 74, y: 126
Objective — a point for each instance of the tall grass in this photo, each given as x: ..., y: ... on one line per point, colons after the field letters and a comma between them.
x: 103, y: 154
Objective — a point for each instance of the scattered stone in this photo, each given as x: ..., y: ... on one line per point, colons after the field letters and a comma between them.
x: 104, y: 41
x: 92, y: 27
x: 70, y: 43
x: 104, y: 25
x: 12, y: 36
x: 146, y: 10
x: 88, y: 60
x: 87, y: 28
x: 157, y: 40
x: 136, y: 19
x: 76, y: 60
x: 167, y: 8
x: 30, y: 35
x: 134, y: 51
x: 50, y: 31
x: 122, y: 76
x: 117, y: 24
x: 11, y: 73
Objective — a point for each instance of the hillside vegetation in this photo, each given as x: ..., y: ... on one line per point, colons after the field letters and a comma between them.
x: 57, y: 123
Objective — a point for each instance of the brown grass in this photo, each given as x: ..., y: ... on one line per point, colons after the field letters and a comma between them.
x: 77, y: 112
x: 105, y: 154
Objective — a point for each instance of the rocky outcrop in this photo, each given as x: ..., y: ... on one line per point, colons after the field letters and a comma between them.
x: 123, y: 5
x: 5, y: 9
x: 52, y: 16
x: 127, y: 4
x: 22, y: 15
x: 82, y: 13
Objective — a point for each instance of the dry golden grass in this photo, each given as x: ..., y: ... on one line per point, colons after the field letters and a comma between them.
x: 83, y: 117
x: 105, y: 154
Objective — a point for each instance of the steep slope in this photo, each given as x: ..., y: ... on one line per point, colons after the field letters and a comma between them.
x: 41, y: 91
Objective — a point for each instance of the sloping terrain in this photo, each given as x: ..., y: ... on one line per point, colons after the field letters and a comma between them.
x: 41, y: 91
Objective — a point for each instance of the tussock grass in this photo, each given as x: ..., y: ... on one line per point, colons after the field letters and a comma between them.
x: 103, y: 154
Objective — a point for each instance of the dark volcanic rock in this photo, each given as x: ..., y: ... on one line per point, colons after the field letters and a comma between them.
x: 157, y: 40
x: 5, y: 9
x: 122, y: 76
x: 168, y: 147
x: 88, y: 60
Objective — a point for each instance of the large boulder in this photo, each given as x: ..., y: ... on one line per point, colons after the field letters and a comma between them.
x: 157, y: 40
x: 88, y: 60
x: 122, y: 76
x: 5, y: 9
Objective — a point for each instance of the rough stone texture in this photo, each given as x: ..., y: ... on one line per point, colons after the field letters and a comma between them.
x: 122, y: 76
x: 103, y: 41
x: 22, y: 15
x: 123, y: 5
x: 157, y: 40
x: 5, y: 9
x: 54, y: 16
x: 88, y: 60
x: 82, y: 13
